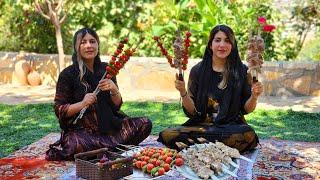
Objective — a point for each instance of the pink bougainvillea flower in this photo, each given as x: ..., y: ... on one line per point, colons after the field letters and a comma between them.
x: 262, y: 20
x: 268, y: 28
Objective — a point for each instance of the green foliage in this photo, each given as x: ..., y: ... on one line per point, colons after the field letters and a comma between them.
x: 310, y: 50
x: 305, y: 18
x: 90, y: 13
x: 112, y: 20
x: 21, y: 125
x: 23, y: 29
x: 201, y: 16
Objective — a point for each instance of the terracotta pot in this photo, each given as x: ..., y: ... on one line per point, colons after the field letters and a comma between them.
x: 34, y: 78
x: 22, y: 69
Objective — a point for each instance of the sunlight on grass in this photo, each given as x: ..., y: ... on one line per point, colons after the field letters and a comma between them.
x: 21, y: 125
x: 46, y: 125
x: 279, y: 124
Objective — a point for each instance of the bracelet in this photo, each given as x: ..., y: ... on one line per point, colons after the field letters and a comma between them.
x: 114, y: 94
x: 184, y: 95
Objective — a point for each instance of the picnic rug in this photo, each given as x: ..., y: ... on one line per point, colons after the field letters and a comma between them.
x: 276, y: 159
x: 279, y: 159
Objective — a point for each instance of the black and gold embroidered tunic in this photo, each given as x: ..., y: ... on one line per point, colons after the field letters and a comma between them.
x: 221, y: 118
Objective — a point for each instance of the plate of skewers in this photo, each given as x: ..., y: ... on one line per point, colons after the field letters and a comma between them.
x: 210, y: 161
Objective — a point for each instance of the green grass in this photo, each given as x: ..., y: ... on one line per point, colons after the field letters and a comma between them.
x: 21, y: 125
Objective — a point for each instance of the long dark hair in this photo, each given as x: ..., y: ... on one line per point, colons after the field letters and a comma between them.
x: 232, y: 67
x: 76, y: 58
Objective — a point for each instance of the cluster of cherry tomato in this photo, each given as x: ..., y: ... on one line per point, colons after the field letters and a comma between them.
x: 185, y: 52
x: 157, y: 161
x: 118, y: 60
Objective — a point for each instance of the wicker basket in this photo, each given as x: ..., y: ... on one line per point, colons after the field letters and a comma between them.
x: 87, y: 167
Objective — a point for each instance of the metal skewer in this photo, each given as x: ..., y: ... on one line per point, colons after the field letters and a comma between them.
x: 97, y: 90
x: 225, y: 169
x: 83, y: 110
x: 246, y: 159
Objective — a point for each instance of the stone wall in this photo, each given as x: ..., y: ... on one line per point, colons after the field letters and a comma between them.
x: 291, y: 78
x: 154, y: 74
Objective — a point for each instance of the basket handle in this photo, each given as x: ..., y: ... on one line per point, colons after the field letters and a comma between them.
x: 90, y: 152
x: 123, y: 160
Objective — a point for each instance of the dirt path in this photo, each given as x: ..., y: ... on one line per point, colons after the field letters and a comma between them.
x: 17, y: 94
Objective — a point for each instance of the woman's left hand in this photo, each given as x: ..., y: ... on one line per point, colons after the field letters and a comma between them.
x: 256, y: 89
x: 107, y: 84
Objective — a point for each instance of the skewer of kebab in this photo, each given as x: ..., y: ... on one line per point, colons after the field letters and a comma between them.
x: 117, y: 62
x: 226, y: 158
x: 255, y: 56
x: 233, y: 151
x: 181, y: 51
x: 212, y: 160
x: 206, y: 162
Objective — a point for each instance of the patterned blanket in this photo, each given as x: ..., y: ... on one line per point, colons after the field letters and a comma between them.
x: 279, y: 159
x: 275, y: 159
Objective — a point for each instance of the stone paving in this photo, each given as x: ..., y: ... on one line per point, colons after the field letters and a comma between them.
x: 17, y: 94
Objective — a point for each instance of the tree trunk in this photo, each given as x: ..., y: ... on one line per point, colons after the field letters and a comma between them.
x: 60, y: 48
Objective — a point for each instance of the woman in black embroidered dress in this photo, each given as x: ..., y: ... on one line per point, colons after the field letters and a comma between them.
x: 102, y: 125
x: 218, y: 97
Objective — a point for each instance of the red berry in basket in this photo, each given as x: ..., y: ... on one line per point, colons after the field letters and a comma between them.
x: 161, y: 171
x: 103, y: 159
x: 179, y: 162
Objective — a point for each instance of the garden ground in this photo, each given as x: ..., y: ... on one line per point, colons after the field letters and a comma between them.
x: 299, y: 158
x: 17, y: 94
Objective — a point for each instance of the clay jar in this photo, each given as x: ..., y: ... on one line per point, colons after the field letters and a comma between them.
x: 22, y: 69
x: 34, y: 78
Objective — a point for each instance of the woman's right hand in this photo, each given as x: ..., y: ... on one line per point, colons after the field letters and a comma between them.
x: 180, y: 85
x: 89, y: 99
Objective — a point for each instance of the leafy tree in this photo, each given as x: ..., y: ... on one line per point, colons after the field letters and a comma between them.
x: 305, y: 18
x: 53, y: 11
x: 200, y: 16
x: 112, y: 20
x: 22, y: 29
